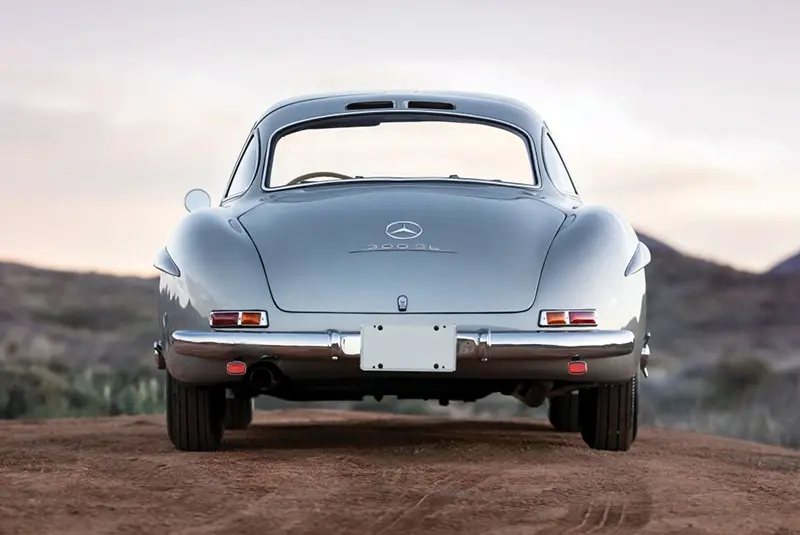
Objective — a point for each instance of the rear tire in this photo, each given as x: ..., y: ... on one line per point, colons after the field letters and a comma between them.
x: 563, y: 413
x: 238, y: 412
x: 195, y: 416
x: 609, y: 416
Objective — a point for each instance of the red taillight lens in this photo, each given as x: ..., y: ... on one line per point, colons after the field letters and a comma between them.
x: 564, y: 318
x: 582, y: 317
x: 230, y: 318
x: 224, y: 319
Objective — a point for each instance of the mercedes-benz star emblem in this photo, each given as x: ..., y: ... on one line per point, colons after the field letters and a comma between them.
x: 403, y: 230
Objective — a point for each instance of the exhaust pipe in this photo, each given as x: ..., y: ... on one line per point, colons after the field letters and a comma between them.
x: 264, y: 377
x: 534, y: 394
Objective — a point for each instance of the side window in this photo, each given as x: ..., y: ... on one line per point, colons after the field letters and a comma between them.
x: 245, y: 170
x: 556, y: 168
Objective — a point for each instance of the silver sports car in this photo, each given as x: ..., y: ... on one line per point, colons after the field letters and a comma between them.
x: 418, y: 245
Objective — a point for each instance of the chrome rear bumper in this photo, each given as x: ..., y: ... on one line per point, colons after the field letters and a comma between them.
x: 482, y: 346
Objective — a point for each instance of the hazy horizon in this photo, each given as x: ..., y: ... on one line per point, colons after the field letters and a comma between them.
x: 683, y: 117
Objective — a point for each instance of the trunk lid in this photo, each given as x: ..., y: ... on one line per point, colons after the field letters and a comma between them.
x: 446, y: 248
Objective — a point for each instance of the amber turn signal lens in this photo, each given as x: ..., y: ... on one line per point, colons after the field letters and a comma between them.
x: 252, y: 318
x: 555, y: 318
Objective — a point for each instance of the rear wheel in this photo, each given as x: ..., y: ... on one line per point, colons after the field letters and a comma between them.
x: 195, y: 416
x: 238, y: 412
x: 609, y: 416
x: 563, y: 412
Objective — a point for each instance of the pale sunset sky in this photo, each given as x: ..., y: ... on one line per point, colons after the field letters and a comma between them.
x: 683, y: 115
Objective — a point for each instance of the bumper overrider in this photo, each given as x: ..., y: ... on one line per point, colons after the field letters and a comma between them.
x: 607, y: 355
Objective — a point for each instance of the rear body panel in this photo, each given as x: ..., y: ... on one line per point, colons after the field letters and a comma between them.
x: 445, y: 248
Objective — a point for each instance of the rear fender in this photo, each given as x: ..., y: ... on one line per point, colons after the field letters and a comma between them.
x: 586, y: 268
x: 219, y: 268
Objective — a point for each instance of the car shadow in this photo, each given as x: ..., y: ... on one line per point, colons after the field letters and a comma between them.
x: 372, y: 434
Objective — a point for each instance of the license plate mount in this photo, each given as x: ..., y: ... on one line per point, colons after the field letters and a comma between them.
x: 408, y: 348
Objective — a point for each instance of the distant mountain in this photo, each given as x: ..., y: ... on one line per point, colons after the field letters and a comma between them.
x: 653, y: 244
x: 788, y: 266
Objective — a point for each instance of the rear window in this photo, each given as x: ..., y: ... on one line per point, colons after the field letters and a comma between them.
x: 404, y: 149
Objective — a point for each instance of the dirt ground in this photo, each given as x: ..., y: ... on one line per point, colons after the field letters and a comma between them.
x: 324, y: 472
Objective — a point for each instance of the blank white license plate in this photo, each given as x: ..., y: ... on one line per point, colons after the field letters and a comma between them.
x: 408, y: 348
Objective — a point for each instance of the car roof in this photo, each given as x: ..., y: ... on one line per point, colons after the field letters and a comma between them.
x: 490, y: 104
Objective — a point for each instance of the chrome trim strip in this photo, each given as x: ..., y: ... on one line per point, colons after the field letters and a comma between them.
x: 481, y: 345
x: 641, y: 258
x: 164, y: 263
x: 254, y: 134
x: 645, y: 357
x: 158, y: 354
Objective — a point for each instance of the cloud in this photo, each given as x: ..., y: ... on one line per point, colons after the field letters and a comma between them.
x: 88, y: 155
x: 84, y: 190
x: 748, y: 220
x: 111, y: 111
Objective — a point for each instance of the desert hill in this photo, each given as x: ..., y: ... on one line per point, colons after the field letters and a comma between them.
x: 698, y: 310
x: 788, y: 266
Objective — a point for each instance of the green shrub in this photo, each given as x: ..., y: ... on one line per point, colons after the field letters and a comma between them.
x: 30, y: 389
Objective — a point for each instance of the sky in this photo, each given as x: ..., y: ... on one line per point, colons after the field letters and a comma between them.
x: 681, y: 115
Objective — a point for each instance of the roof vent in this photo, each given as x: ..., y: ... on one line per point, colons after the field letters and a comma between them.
x: 421, y: 104
x: 373, y: 105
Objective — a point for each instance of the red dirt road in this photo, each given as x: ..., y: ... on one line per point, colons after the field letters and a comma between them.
x: 321, y: 472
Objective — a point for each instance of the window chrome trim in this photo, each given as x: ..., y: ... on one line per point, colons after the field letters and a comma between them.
x: 526, y: 136
x: 254, y: 136
x: 546, y: 135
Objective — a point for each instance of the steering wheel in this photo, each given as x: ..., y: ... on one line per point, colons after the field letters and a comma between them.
x: 317, y: 174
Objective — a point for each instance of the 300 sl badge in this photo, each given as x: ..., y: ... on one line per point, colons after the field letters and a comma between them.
x: 422, y: 247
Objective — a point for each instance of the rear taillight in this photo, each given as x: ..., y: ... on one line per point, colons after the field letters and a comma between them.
x: 238, y: 318
x: 567, y: 318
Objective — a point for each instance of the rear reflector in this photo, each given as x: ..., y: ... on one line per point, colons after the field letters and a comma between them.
x: 231, y: 318
x: 236, y: 367
x: 563, y: 318
x: 577, y: 367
